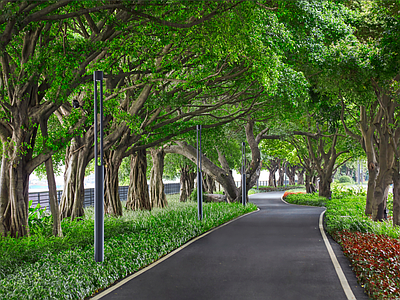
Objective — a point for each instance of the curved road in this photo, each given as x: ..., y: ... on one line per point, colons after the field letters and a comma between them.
x: 276, y: 253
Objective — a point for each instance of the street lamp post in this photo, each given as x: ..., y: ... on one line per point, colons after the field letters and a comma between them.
x: 243, y: 174
x: 199, y: 176
x: 98, y: 172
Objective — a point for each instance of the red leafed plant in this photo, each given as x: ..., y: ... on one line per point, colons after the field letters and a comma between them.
x: 376, y: 261
x: 291, y: 193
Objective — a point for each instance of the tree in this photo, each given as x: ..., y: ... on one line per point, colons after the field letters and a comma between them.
x: 42, y: 64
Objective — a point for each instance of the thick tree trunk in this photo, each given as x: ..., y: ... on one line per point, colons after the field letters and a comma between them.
x: 55, y: 212
x: 157, y: 194
x: 396, y: 195
x: 14, y: 183
x: 384, y: 178
x: 310, y: 186
x: 308, y: 181
x: 208, y: 184
x: 5, y: 211
x: 187, y: 183
x: 373, y: 171
x: 380, y: 195
x: 19, y: 184
x: 300, y: 177
x: 271, y: 178
x: 138, y: 192
x: 281, y: 173
x: 325, y: 186
x: 112, y: 202
x: 291, y: 173
x: 77, y: 159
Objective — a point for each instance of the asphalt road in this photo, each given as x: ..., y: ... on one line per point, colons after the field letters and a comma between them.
x: 277, y: 253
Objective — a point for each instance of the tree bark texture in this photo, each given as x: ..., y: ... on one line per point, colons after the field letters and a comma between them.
x: 281, y: 172
x: 157, y: 194
x: 77, y: 159
x: 386, y: 154
x: 291, y: 172
x: 187, y: 182
x: 138, y: 192
x: 112, y: 202
x: 396, y: 194
x: 208, y: 184
x: 5, y: 212
x: 324, y: 162
x: 300, y: 176
x: 55, y: 212
x: 51, y: 181
x: 271, y: 178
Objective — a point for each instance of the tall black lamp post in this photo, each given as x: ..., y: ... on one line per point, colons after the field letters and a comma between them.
x: 98, y: 172
x: 199, y: 176
x: 244, y: 173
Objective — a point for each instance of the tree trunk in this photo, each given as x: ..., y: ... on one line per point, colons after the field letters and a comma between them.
x: 5, y: 211
x: 77, y: 159
x: 281, y: 172
x: 138, y: 192
x: 208, y: 184
x: 325, y: 186
x: 51, y: 181
x: 187, y: 183
x: 224, y: 177
x: 55, y: 212
x: 396, y: 194
x: 300, y: 177
x: 19, y: 184
x: 271, y: 178
x: 112, y: 202
x: 291, y: 172
x: 381, y: 190
x: 157, y: 194
x: 384, y: 179
x: 373, y: 171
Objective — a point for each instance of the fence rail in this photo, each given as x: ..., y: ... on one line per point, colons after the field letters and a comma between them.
x: 260, y: 183
x: 44, y: 200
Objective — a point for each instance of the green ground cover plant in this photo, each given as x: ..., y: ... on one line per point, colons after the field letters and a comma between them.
x: 45, y: 267
x: 373, y: 248
x: 264, y: 188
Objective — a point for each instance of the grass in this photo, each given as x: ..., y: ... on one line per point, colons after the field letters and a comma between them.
x: 45, y: 267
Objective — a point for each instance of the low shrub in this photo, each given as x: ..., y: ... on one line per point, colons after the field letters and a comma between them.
x: 345, y: 179
x: 279, y: 188
x: 375, y: 260
x: 305, y: 199
x: 347, y: 213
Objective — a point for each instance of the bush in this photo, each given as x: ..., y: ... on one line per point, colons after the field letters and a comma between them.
x: 345, y: 179
x: 305, y: 199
